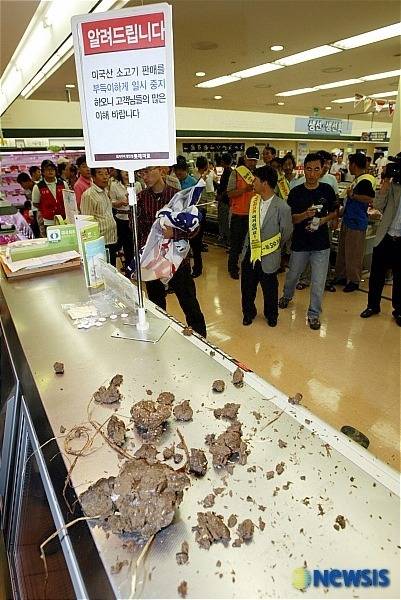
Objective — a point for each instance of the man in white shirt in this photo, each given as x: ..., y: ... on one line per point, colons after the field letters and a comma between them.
x: 339, y: 168
x: 380, y: 163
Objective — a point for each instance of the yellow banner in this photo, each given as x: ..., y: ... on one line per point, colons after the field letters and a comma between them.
x: 246, y: 174
x: 283, y: 187
x: 259, y: 248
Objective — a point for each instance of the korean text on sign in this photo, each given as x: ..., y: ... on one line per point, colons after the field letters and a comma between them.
x: 124, y: 33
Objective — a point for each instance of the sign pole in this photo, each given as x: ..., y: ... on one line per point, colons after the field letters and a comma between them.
x: 143, y: 323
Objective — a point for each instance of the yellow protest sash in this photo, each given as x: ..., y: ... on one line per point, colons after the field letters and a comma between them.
x: 283, y: 187
x: 259, y: 248
x: 367, y: 177
x: 245, y: 174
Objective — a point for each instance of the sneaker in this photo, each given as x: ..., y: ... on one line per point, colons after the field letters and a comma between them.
x: 314, y: 323
x: 351, y: 287
x: 283, y: 302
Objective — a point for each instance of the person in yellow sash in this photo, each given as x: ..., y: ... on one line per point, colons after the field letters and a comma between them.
x: 270, y: 227
x: 285, y: 176
x: 351, y: 244
x: 240, y: 192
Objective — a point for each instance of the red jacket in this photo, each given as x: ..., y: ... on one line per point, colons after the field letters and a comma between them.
x: 49, y: 206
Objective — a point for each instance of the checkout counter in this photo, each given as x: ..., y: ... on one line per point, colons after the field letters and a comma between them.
x: 325, y: 475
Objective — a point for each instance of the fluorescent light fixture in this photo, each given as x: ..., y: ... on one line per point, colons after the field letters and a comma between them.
x: 277, y: 48
x: 200, y: 74
x: 252, y: 71
x: 70, y: 86
x: 335, y: 84
x: 343, y: 100
x: 217, y: 97
x: 384, y: 75
x: 312, y: 54
x: 280, y: 103
x: 296, y: 92
x: 218, y: 81
x: 384, y: 94
x: 327, y: 107
x: 370, y: 37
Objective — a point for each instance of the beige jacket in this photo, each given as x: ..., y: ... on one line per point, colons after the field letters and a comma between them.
x: 387, y: 202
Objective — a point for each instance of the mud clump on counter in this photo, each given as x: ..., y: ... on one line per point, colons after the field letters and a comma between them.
x: 232, y: 521
x: 168, y: 453
x: 166, y: 398
x: 246, y: 530
x: 228, y: 446
x: 208, y: 501
x: 140, y: 500
x: 340, y: 522
x: 218, y: 386
x: 183, y: 589
x: 197, y: 462
x: 187, y: 331
x: 182, y: 557
x: 116, y: 430
x: 295, y: 399
x: 238, y: 378
x: 183, y: 411
x: 58, y: 368
x: 210, y: 529
x: 111, y: 394
x: 229, y: 411
x: 146, y: 451
x: 149, y: 417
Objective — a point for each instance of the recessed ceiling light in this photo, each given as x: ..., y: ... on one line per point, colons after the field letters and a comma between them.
x: 218, y: 81
x: 311, y: 54
x: 281, y: 103
x: 277, y: 48
x: 370, y: 37
x: 70, y: 86
x: 327, y: 107
x: 200, y: 73
x: 217, y: 97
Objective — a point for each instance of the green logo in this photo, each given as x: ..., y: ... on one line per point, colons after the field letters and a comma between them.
x: 301, y: 578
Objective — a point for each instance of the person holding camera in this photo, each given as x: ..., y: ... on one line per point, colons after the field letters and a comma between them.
x: 387, y: 247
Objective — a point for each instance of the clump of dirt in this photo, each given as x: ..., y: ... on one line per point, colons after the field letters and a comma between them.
x: 146, y: 451
x: 177, y: 458
x: 238, y: 378
x: 218, y: 386
x: 246, y: 530
x: 340, y: 522
x: 280, y: 468
x: 62, y: 429
x: 183, y: 411
x: 229, y: 411
x: 232, y: 521
x: 111, y: 394
x: 228, y: 446
x: 197, y: 462
x: 295, y: 399
x: 270, y: 474
x: 182, y: 557
x: 183, y: 589
x: 187, y: 331
x: 166, y: 398
x: 168, y: 453
x: 149, y: 417
x: 58, y: 368
x: 262, y: 524
x: 210, y: 529
x: 140, y: 500
x: 116, y: 568
x: 282, y: 444
x: 116, y: 430
x: 208, y: 501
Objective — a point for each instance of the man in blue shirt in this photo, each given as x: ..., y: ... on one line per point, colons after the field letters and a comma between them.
x: 181, y: 171
x: 351, y: 244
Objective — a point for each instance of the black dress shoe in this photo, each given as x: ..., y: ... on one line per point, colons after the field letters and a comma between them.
x: 234, y: 275
x: 247, y: 321
x: 369, y: 312
x: 196, y: 273
x: 340, y: 281
x: 272, y: 321
x: 351, y: 287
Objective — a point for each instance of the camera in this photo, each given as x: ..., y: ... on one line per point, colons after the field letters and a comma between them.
x: 393, y: 168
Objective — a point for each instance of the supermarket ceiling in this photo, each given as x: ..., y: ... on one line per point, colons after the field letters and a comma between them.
x: 220, y: 37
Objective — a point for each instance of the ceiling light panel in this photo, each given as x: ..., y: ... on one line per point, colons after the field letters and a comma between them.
x: 297, y: 92
x: 344, y: 100
x: 370, y: 37
x: 312, y: 54
x: 252, y: 71
x: 383, y: 75
x: 218, y: 81
x: 384, y: 94
x: 335, y: 84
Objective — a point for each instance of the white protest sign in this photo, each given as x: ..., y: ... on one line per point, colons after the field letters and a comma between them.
x: 125, y: 70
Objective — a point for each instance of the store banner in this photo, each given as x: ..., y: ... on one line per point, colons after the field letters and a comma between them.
x: 213, y: 147
x: 322, y: 126
x: 125, y: 69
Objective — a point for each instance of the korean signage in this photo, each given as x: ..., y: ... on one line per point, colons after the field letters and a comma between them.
x: 124, y: 61
x: 374, y: 136
x: 212, y: 147
x: 322, y: 126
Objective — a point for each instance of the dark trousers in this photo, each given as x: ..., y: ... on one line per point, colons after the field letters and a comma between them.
x: 387, y: 255
x: 184, y: 287
x: 238, y: 231
x: 112, y: 249
x: 196, y: 244
x: 251, y: 276
x: 124, y: 240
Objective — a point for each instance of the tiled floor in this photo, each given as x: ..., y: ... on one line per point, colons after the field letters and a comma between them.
x: 348, y: 372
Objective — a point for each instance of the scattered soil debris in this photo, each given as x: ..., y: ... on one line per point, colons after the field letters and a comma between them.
x: 340, y: 522
x: 183, y: 411
x: 232, y: 521
x: 218, y: 386
x: 327, y: 448
x: 58, y: 368
x: 116, y: 430
x: 218, y: 564
x: 287, y: 485
x: 250, y: 499
x: 182, y: 557
x: 229, y: 411
x: 262, y: 524
x: 238, y: 378
x: 303, y: 477
x: 111, y: 394
x: 295, y: 399
x: 228, y: 446
x: 115, y: 569
x: 270, y: 474
x: 306, y: 501
x: 187, y: 331
x: 149, y: 392
x: 166, y: 398
x: 149, y: 416
x: 321, y: 511
x: 168, y: 453
x: 261, y: 507
x: 282, y: 444
x: 208, y: 501
x: 62, y: 429
x: 197, y: 462
x: 280, y: 468
x: 146, y: 451
x: 218, y: 491
x: 237, y: 543
x: 246, y: 529
x: 211, y: 528
x: 212, y: 353
x: 183, y: 587
x: 178, y: 458
x: 141, y: 499
x: 251, y: 469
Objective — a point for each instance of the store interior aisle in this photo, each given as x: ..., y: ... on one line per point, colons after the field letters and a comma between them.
x: 348, y: 372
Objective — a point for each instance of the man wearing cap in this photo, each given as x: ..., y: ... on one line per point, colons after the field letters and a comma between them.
x: 240, y: 192
x: 47, y: 195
